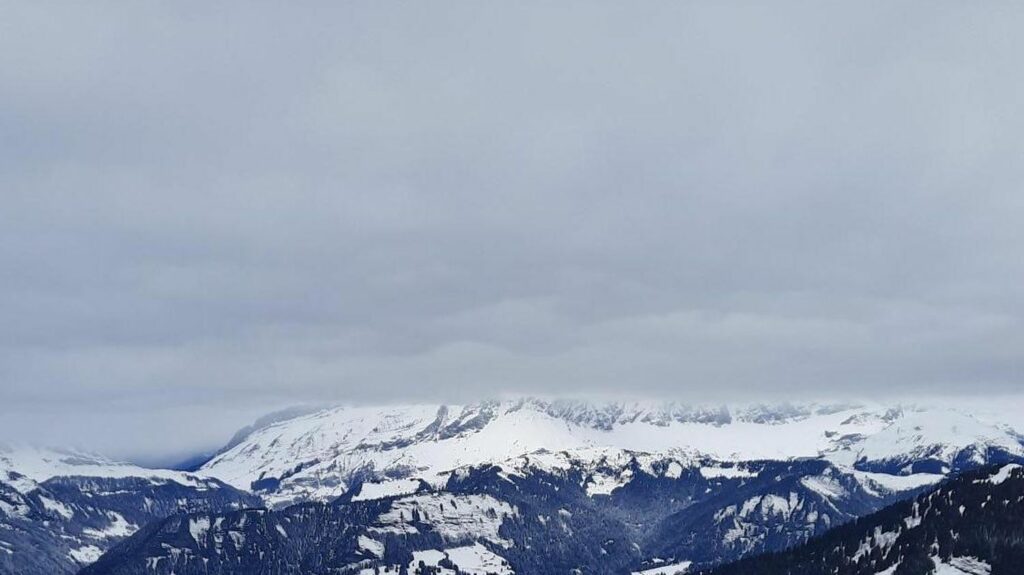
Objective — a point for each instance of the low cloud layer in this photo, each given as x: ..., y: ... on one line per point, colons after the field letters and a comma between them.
x: 207, y: 211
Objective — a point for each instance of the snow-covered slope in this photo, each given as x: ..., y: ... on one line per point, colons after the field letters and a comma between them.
x: 37, y: 465
x: 970, y: 525
x: 932, y: 440
x: 321, y: 455
x: 60, y: 510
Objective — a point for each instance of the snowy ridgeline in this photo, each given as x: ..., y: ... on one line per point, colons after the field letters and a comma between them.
x: 321, y: 455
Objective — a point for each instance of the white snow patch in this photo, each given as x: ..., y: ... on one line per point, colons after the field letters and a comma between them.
x: 470, y: 559
x: 478, y: 560
x: 85, y: 555
x: 371, y: 545
x: 774, y: 505
x: 673, y: 569
x: 455, y: 518
x: 674, y: 470
x: 883, y: 540
x: 604, y: 484
x: 198, y: 527
x: 119, y: 527
x: 749, y: 505
x: 767, y: 505
x: 18, y: 509
x: 961, y: 566
x: 392, y: 488
x: 884, y: 483
x: 57, y: 507
x: 827, y: 487
x: 726, y: 472
x: 1000, y: 476
x: 430, y: 558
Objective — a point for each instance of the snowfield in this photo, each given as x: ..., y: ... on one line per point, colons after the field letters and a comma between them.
x: 380, y: 490
x: 456, y: 518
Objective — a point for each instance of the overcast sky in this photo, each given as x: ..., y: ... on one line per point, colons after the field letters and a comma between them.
x: 210, y: 210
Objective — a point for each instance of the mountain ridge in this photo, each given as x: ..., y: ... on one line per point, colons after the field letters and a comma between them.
x: 320, y: 454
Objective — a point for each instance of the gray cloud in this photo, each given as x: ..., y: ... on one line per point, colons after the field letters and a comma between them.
x: 209, y: 211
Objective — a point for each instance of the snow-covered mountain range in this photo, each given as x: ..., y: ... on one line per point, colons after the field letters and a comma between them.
x: 320, y: 455
x: 497, y: 484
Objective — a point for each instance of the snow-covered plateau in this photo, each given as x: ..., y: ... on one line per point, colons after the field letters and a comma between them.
x: 321, y: 455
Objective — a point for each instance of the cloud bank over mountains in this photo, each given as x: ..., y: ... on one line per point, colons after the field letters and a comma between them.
x: 211, y: 211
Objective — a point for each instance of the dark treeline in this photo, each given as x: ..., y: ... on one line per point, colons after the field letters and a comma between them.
x: 968, y: 517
